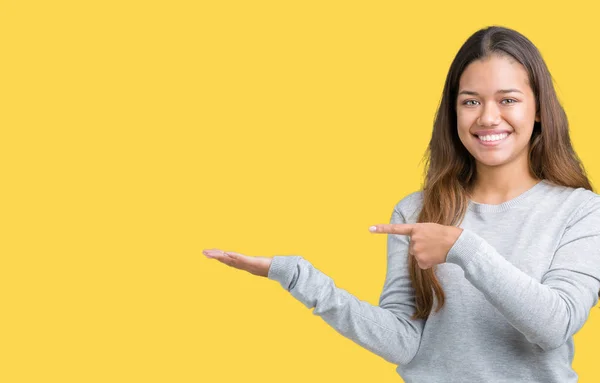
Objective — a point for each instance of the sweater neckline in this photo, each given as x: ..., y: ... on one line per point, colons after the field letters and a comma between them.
x: 506, y: 205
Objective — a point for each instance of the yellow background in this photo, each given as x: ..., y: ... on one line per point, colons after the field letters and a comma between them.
x: 136, y: 134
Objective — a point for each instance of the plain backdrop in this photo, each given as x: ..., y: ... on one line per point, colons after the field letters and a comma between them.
x: 134, y: 134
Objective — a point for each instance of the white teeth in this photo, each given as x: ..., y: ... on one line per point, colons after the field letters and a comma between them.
x: 493, y: 137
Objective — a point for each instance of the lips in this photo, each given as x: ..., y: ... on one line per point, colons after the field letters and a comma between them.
x: 494, y: 142
x: 487, y: 132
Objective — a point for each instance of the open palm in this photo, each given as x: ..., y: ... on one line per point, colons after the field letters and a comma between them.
x: 254, y: 265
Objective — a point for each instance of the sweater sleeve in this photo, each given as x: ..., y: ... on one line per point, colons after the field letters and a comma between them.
x: 548, y: 312
x: 387, y: 329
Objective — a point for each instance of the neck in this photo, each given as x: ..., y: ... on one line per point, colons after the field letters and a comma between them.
x: 498, y: 184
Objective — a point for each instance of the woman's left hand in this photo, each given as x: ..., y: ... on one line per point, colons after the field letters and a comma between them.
x: 429, y: 242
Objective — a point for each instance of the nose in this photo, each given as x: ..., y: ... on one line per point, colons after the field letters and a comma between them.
x: 490, y: 115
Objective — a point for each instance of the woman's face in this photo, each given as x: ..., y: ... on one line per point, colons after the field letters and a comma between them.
x: 495, y: 109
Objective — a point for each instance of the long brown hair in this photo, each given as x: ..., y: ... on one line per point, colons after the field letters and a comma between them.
x: 450, y: 168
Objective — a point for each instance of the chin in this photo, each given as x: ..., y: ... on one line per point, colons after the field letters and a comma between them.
x: 492, y: 162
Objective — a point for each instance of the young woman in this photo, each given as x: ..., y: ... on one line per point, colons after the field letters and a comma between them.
x: 495, y: 264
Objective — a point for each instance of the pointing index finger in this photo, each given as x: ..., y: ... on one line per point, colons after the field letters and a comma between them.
x: 398, y: 228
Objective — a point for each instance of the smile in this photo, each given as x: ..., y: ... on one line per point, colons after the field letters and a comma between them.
x: 493, y: 139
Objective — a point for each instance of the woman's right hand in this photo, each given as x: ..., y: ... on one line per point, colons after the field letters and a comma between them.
x: 254, y: 265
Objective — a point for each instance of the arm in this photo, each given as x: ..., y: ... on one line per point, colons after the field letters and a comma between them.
x: 387, y: 329
x: 550, y: 312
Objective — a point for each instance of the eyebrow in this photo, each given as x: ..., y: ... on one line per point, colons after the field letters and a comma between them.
x: 471, y: 93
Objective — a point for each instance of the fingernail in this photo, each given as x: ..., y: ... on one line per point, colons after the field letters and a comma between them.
x: 373, y: 228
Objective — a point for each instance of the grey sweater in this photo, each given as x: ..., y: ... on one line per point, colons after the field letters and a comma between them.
x: 519, y: 282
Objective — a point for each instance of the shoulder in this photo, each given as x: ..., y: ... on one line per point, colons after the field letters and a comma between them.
x: 565, y: 192
x: 410, y: 206
x: 587, y: 211
x: 578, y: 204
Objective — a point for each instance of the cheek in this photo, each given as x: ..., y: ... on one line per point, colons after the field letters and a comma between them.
x: 464, y: 121
x: 520, y: 117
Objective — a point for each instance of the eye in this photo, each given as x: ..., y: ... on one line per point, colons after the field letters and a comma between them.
x: 512, y: 101
x: 470, y: 102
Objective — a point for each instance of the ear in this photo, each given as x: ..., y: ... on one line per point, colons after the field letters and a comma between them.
x: 537, y: 117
